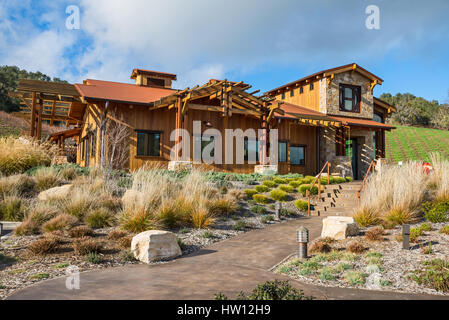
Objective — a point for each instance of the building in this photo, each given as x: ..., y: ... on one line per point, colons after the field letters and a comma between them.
x: 327, y: 116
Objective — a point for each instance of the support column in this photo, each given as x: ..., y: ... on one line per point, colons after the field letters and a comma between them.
x: 39, y: 119
x: 33, y: 116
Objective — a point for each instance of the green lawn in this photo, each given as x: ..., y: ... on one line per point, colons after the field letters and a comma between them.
x: 411, y: 143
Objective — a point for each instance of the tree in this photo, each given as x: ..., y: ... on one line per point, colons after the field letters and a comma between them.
x: 117, y: 133
x: 9, y: 80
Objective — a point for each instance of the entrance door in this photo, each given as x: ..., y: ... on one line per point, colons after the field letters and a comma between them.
x: 351, y: 151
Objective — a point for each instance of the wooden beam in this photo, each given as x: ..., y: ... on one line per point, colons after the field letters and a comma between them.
x: 33, y: 116
x: 39, y: 119
x: 53, y: 113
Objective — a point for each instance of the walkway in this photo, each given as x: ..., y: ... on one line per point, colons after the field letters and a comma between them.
x: 229, y: 266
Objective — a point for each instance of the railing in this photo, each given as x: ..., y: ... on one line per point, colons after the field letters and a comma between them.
x: 372, y: 166
x: 318, y: 177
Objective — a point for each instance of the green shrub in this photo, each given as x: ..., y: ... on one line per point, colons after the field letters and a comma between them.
x: 355, y: 277
x: 285, y: 188
x: 274, y: 290
x: 425, y: 227
x: 239, y: 225
x: 260, y: 198
x: 137, y: 221
x: 337, y: 180
x: 128, y: 256
x: 267, y: 219
x: 94, y: 258
x: 12, y: 209
x: 303, y: 189
x: 415, y: 233
x: 308, y: 179
x: 436, y: 212
x: 100, y: 218
x: 327, y: 274
x: 399, y: 216
x: 278, y: 195
x: 40, y: 276
x: 366, y: 217
x: 250, y: 193
x: 349, y: 179
x: 435, y: 275
x: 261, y: 188
x: 288, y: 213
x: 296, y: 183
x: 259, y: 209
x: 207, y: 234
x: 445, y: 230
x: 302, y: 205
x: 269, y: 183
x: 280, y: 181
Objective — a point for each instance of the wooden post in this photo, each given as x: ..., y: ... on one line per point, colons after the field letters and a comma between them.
x: 358, y: 200
x: 103, y: 135
x: 33, y: 116
x: 328, y: 173
x: 308, y: 205
x: 39, y: 119
x: 319, y: 187
x: 178, y: 126
x: 53, y: 113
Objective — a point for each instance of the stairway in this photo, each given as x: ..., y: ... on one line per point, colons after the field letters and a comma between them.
x: 337, y: 200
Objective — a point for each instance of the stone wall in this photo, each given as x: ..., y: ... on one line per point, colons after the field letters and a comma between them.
x: 327, y: 145
x: 330, y: 95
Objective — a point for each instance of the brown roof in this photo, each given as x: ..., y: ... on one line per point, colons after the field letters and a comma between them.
x: 120, y: 92
x: 293, y: 111
x: 383, y: 104
x: 325, y: 73
x: 65, y: 134
x: 356, y: 122
x: 152, y: 73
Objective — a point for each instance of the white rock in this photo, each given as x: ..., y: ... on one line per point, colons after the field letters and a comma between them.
x: 154, y: 245
x: 57, y: 192
x: 339, y: 228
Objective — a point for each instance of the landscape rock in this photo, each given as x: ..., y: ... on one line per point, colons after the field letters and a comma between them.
x: 339, y: 228
x: 155, y: 245
x: 56, y: 192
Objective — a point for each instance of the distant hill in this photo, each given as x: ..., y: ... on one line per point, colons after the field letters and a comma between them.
x: 414, y: 143
x: 15, y: 126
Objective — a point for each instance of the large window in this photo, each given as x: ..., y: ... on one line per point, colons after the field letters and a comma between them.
x: 350, y: 98
x: 298, y: 155
x: 252, y: 146
x: 148, y: 144
x: 378, y: 117
x: 282, y: 151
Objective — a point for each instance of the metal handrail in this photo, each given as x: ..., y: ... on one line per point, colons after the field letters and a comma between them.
x: 318, y: 177
x: 373, y: 166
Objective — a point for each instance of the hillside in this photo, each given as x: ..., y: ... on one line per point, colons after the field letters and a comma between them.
x: 11, y: 125
x: 413, y: 143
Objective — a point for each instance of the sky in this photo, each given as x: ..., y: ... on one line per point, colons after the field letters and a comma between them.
x: 266, y: 43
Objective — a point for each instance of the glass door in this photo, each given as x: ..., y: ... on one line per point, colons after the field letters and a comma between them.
x: 351, y: 151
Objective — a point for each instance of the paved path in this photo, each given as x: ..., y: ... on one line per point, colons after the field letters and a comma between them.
x: 239, y: 263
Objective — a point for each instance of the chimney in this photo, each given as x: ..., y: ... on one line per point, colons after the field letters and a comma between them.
x: 153, y: 79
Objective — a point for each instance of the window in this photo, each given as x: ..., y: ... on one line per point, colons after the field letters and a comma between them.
x: 311, y: 87
x: 292, y: 93
x: 94, y: 143
x: 83, y: 148
x: 298, y: 155
x: 282, y: 151
x: 283, y: 95
x: 251, y: 146
x: 301, y: 90
x: 378, y: 117
x: 148, y: 144
x: 350, y: 97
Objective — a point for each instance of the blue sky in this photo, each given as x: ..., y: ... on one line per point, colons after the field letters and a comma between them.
x: 265, y: 43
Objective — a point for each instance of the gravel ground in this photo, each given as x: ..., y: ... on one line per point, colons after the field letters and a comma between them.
x: 28, y: 268
x: 394, y: 269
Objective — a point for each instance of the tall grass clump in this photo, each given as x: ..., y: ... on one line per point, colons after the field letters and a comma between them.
x: 440, y: 176
x: 12, y: 208
x: 17, y: 155
x: 394, y: 195
x: 164, y: 200
x: 19, y: 185
x: 47, y: 178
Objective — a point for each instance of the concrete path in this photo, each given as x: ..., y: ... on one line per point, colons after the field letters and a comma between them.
x: 230, y: 266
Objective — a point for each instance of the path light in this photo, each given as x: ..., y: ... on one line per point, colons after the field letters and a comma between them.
x: 303, y: 238
x: 278, y: 208
x: 1, y: 229
x: 406, y: 236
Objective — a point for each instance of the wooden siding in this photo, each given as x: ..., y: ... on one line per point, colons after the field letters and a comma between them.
x: 308, y: 99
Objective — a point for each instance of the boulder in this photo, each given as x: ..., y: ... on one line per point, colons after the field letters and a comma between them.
x: 57, y: 192
x: 339, y: 228
x: 155, y: 245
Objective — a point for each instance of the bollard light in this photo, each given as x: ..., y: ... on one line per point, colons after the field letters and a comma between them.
x: 1, y: 229
x: 278, y: 208
x: 302, y: 235
x: 406, y: 237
